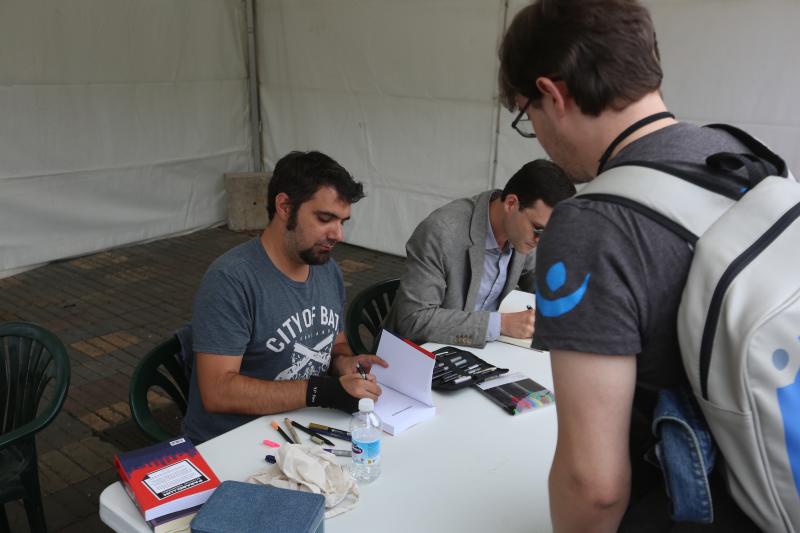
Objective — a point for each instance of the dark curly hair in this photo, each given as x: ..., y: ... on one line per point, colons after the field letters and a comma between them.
x: 301, y: 174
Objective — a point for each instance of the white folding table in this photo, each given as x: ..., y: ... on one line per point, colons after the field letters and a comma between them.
x: 473, y: 467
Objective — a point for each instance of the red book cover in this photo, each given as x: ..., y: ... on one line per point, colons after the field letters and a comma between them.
x: 166, y: 477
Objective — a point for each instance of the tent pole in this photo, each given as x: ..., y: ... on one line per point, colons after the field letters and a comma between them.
x: 252, y: 75
x: 498, y: 109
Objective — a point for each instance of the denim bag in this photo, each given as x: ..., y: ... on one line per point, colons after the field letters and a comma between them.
x: 686, y: 453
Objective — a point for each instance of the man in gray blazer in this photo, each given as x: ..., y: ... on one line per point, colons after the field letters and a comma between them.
x: 467, y: 255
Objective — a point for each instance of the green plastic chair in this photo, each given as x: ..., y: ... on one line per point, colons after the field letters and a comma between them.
x: 31, y: 359
x: 367, y: 312
x: 160, y: 368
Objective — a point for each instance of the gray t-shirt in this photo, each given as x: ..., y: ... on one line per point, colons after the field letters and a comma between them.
x: 609, y: 280
x: 283, y: 328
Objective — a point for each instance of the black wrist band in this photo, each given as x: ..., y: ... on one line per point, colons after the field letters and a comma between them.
x: 327, y: 391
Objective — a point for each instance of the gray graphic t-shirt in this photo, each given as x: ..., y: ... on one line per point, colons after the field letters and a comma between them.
x: 283, y: 328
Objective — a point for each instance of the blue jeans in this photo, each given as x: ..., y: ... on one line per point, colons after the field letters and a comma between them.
x: 686, y: 453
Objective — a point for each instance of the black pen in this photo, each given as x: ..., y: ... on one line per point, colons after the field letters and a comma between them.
x: 276, y: 427
x: 330, y: 433
x: 304, y: 429
x: 316, y: 439
x: 327, y: 430
x: 361, y: 370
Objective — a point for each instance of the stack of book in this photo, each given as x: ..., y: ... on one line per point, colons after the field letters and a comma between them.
x: 168, y: 482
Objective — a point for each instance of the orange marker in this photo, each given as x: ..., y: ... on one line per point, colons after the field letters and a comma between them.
x: 277, y: 428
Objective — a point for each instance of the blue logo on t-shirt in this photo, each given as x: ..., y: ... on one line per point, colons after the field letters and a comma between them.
x: 789, y: 403
x: 555, y: 278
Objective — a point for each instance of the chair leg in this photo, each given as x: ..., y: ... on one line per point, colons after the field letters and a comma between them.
x: 35, y: 511
x: 33, y: 502
x: 4, y: 525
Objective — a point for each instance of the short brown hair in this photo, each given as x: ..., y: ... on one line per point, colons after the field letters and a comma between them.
x: 539, y: 180
x: 604, y: 50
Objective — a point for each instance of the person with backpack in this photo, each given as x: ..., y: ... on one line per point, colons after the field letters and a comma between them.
x: 585, y: 78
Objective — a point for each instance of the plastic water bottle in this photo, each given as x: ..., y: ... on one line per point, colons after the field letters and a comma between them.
x: 365, y: 428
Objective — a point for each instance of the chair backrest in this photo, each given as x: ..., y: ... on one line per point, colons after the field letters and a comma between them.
x: 31, y: 357
x: 367, y: 312
x: 159, y: 368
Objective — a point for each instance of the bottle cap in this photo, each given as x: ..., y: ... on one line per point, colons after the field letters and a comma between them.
x: 366, y: 405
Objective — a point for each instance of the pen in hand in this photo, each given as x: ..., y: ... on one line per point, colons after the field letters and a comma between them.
x: 361, y: 370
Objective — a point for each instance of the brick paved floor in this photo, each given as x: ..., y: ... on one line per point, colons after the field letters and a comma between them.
x: 110, y: 309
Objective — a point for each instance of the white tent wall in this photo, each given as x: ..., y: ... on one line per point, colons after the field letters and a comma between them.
x: 120, y: 116
x: 401, y: 93
x: 119, y: 119
x: 404, y: 94
x: 736, y: 62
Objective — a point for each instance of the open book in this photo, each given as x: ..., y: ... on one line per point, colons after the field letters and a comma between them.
x: 513, y: 302
x: 406, y: 397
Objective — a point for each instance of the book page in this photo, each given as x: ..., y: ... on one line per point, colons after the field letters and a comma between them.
x: 399, y: 412
x: 517, y: 301
x: 410, y: 367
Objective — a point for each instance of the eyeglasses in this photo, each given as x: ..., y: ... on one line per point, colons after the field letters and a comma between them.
x: 522, y: 124
x: 537, y: 232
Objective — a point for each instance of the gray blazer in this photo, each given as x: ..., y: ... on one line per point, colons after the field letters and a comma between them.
x: 444, y: 265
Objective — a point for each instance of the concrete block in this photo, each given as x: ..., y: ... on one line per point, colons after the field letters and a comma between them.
x: 247, y: 200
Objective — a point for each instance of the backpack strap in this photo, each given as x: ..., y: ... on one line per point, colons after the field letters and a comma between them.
x: 768, y: 162
x: 689, y: 205
x: 680, y: 205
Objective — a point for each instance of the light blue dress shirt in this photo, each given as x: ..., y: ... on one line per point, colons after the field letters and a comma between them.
x: 493, y: 279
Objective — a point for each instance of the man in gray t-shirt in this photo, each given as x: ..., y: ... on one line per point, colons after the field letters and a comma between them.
x: 608, y: 280
x: 268, y: 318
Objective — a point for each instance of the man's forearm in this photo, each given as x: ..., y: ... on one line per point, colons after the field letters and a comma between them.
x: 577, y: 507
x: 235, y: 393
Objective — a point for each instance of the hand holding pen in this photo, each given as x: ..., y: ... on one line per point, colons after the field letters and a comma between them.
x: 361, y: 386
x: 518, y: 325
x: 355, y: 376
x: 364, y: 362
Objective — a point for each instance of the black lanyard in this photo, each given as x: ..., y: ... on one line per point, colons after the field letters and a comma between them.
x: 627, y: 132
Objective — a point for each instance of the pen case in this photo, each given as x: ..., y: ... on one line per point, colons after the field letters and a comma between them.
x: 456, y: 368
x: 516, y: 393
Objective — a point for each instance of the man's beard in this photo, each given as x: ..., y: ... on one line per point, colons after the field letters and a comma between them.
x: 310, y: 256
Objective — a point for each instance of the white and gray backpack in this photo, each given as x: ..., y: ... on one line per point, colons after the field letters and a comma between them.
x: 739, y: 317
